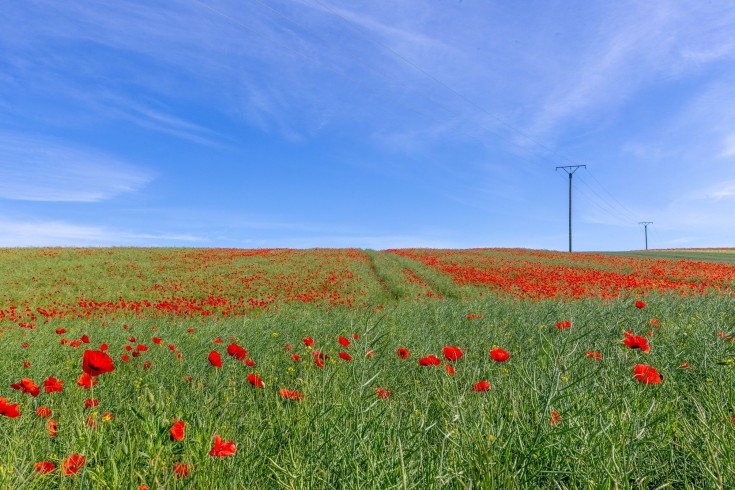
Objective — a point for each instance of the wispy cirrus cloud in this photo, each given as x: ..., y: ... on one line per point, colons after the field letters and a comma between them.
x: 639, y: 45
x: 39, y: 169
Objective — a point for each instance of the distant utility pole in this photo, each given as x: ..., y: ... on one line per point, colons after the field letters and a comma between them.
x: 570, y: 169
x: 645, y: 227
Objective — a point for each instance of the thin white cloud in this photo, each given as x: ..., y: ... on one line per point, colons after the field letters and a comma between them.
x: 637, y: 45
x: 53, y: 233
x: 728, y: 149
x: 377, y: 242
x: 36, y: 169
x: 717, y: 191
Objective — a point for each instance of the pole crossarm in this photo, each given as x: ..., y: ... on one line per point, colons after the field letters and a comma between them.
x: 570, y: 169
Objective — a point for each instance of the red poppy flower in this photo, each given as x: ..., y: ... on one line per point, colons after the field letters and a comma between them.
x: 452, y: 353
x: 86, y: 381
x: 382, y: 393
x: 217, y: 340
x: 9, y: 410
x: 25, y: 345
x: 128, y: 348
x: 215, y: 359
x: 646, y: 374
x: 319, y: 355
x: 640, y: 304
x: 147, y: 365
x: 429, y: 361
x: 249, y: 362
x: 84, y: 339
x: 481, y: 386
x: 594, y: 355
x: 402, y: 353
x: 290, y: 395
x: 308, y: 341
x: 222, y: 449
x: 190, y: 330
x: 255, y: 380
x: 103, y: 347
x: 60, y: 331
x: 52, y: 384
x: 96, y: 362
x: 125, y: 358
x: 73, y: 464
x: 555, y: 418
x: 345, y: 342
x: 637, y: 342
x: 318, y: 362
x: 91, y: 403
x: 27, y: 385
x: 26, y: 364
x: 44, y: 467
x: 51, y: 427
x: 345, y: 356
x: 181, y: 470
x: 288, y: 347
x: 564, y: 324
x: 157, y: 341
x: 449, y: 368
x: 43, y: 412
x: 142, y: 348
x: 237, y: 352
x: 499, y: 355
x: 177, y: 430
x: 654, y: 322
x: 369, y: 353
x: 171, y: 347
x: 75, y: 343
x: 295, y: 357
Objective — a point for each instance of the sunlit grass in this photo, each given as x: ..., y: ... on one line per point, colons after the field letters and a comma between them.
x: 433, y: 431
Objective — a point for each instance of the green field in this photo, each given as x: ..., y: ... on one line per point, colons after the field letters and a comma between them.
x: 554, y: 416
x: 725, y: 255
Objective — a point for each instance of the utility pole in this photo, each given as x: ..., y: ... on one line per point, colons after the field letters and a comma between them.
x: 645, y: 227
x: 570, y: 169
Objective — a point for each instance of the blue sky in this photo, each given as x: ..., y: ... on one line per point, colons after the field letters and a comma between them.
x: 374, y: 123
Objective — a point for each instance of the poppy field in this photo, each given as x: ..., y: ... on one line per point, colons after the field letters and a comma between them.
x: 347, y: 368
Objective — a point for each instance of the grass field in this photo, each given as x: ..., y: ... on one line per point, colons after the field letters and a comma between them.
x: 724, y: 255
x: 566, y: 410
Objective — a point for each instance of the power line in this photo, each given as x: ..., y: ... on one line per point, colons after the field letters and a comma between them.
x: 622, y: 206
x: 618, y: 211
x: 602, y: 206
